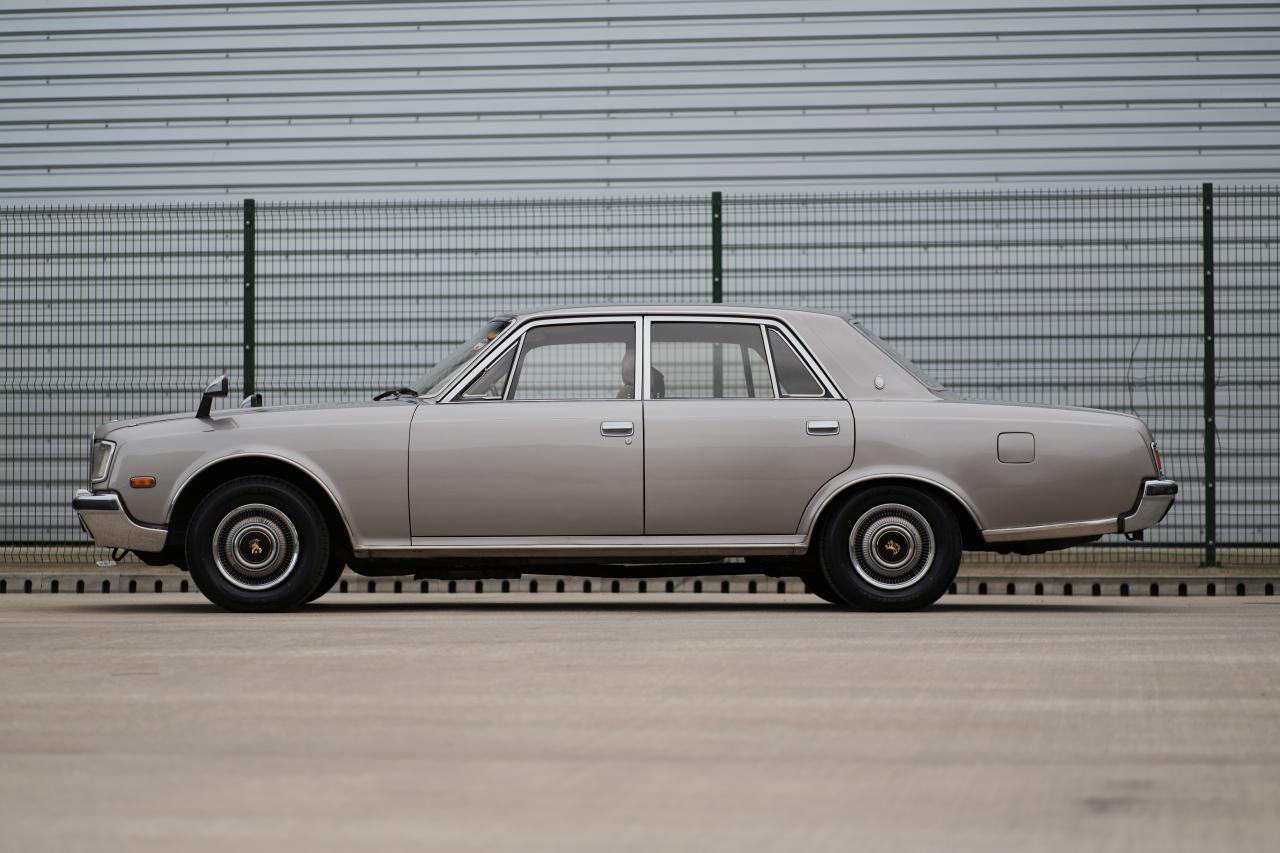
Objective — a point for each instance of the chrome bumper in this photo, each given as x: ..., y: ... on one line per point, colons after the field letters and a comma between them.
x: 107, y: 521
x: 1157, y: 497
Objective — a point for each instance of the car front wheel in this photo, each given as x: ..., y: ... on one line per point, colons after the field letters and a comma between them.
x: 257, y: 544
x: 329, y: 579
x: 891, y: 548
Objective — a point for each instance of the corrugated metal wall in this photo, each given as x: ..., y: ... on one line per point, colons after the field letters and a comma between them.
x: 113, y: 99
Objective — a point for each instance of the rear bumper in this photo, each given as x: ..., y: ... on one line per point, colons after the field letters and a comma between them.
x: 1151, y: 506
x: 108, y: 522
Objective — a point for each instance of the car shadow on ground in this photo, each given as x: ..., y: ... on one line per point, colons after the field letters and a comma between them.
x: 560, y: 603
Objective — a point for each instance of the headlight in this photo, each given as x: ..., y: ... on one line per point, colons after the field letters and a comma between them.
x: 100, y: 463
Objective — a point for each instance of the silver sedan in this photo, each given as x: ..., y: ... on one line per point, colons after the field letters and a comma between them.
x: 615, y: 441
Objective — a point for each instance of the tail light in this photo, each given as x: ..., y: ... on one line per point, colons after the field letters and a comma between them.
x: 1155, y: 452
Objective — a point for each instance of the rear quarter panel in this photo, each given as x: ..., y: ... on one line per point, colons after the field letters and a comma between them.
x: 1088, y: 465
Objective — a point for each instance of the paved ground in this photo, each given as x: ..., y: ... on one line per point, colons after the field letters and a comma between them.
x: 632, y: 722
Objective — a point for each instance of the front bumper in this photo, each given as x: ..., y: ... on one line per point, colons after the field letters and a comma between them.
x: 1153, y: 505
x: 104, y: 516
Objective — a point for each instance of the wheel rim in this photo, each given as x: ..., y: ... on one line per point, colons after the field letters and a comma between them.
x: 891, y: 546
x: 255, y: 547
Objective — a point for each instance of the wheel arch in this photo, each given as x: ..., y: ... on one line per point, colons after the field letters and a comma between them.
x: 212, y: 475
x: 970, y: 530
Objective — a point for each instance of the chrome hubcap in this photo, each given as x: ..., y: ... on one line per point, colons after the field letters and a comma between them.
x: 891, y: 546
x: 255, y: 546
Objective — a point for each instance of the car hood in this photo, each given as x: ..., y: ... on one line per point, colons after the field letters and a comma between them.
x: 106, y: 429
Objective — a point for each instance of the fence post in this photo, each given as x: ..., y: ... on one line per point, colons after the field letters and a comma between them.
x: 717, y: 258
x: 717, y: 292
x: 250, y: 276
x: 1210, y: 382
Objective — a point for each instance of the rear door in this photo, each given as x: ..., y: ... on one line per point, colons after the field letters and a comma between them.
x: 740, y: 428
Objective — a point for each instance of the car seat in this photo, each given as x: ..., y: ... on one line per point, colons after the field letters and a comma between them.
x: 657, y: 382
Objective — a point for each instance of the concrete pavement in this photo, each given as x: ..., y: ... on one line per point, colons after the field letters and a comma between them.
x: 634, y: 722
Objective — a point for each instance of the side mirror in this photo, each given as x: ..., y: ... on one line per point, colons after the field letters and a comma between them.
x: 253, y: 401
x: 219, y: 387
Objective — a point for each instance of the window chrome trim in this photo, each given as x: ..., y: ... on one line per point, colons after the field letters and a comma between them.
x: 454, y: 392
x: 780, y: 395
x: 512, y: 373
x: 787, y: 335
x: 768, y: 357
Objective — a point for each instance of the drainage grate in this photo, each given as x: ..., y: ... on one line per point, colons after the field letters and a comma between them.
x: 757, y: 584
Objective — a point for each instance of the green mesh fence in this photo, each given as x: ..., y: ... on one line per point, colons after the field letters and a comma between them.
x: 1084, y: 298
x: 1067, y: 297
x: 1247, y: 366
x: 355, y: 297
x: 109, y: 312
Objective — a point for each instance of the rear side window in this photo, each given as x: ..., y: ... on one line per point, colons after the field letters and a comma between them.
x: 700, y: 361
x: 795, y: 379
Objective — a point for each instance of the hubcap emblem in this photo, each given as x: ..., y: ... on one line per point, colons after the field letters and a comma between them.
x: 256, y: 545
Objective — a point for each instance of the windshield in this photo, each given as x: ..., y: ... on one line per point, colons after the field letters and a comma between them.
x: 434, y: 379
x: 904, y: 362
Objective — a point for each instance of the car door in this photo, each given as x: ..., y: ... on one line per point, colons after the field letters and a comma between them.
x: 545, y: 438
x: 740, y: 430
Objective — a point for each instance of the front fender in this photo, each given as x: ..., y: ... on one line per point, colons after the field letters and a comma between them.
x: 358, y: 455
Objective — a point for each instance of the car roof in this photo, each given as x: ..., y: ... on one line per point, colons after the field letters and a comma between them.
x: 701, y: 309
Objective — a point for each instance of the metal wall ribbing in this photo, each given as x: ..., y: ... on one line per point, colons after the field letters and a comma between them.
x: 127, y: 99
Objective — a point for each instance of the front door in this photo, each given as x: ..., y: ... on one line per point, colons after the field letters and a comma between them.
x: 740, y: 432
x: 548, y: 441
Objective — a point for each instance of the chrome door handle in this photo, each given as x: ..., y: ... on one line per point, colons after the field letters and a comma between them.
x: 822, y: 427
x: 617, y: 428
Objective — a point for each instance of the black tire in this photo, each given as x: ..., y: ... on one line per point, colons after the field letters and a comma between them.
x: 907, y: 544
x: 257, y: 544
x: 333, y: 571
x: 817, y: 584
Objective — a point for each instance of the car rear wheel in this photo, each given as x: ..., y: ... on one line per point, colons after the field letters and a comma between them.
x: 817, y: 584
x: 257, y: 544
x: 891, y: 548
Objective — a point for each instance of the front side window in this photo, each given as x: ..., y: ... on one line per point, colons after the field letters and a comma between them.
x: 694, y: 361
x: 576, y: 361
